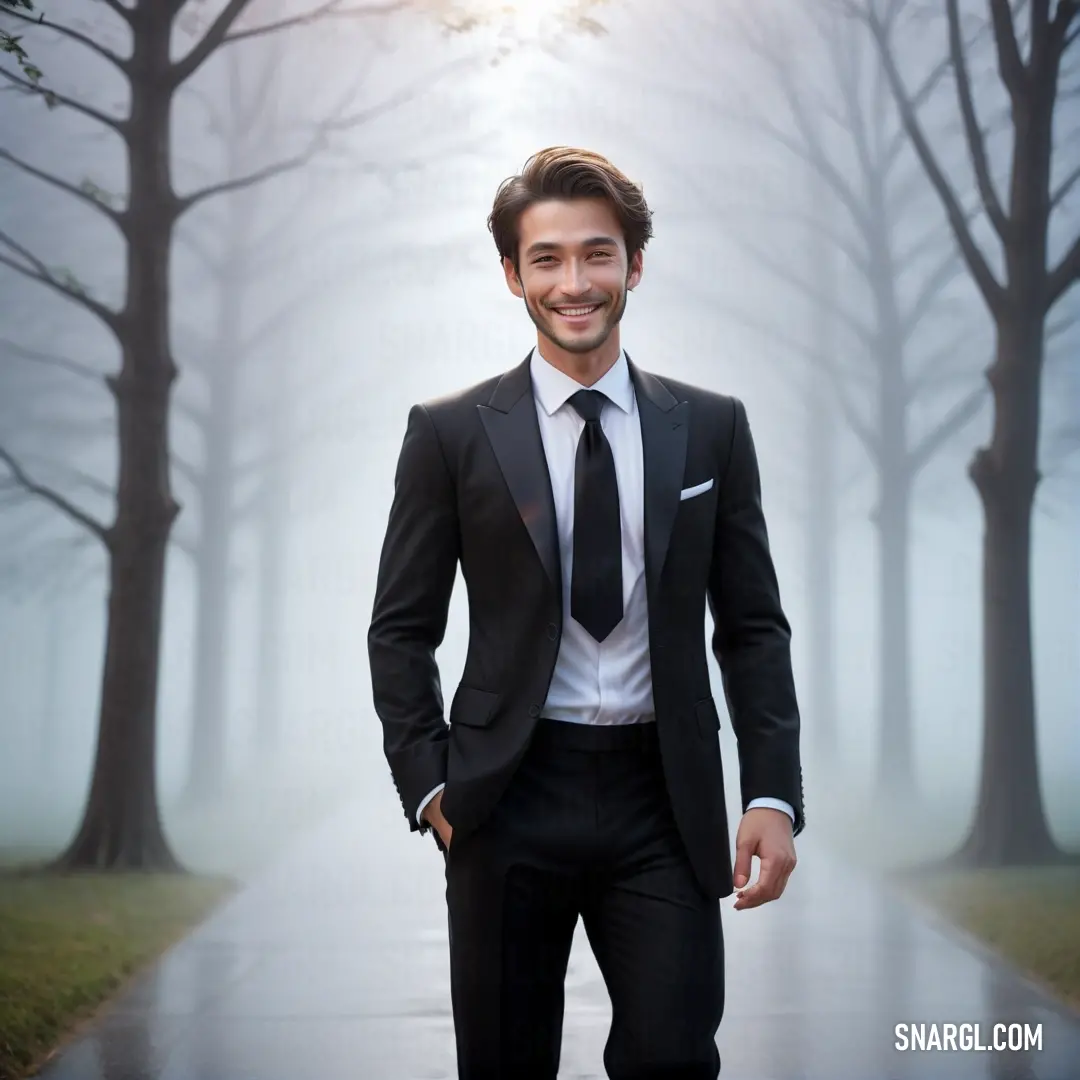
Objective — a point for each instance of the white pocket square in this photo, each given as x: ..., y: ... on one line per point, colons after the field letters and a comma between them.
x: 697, y: 489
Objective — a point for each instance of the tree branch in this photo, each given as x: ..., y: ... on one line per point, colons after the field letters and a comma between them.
x: 336, y: 123
x: 73, y: 35
x: 934, y: 372
x: 52, y: 98
x: 82, y: 194
x: 54, y: 498
x: 94, y: 483
x: 946, y: 270
x: 204, y: 48
x: 853, y: 122
x: 767, y: 328
x: 759, y: 122
x: 1010, y: 62
x: 184, y: 543
x: 863, y: 432
x: 900, y: 136
x: 36, y: 356
x: 813, y: 151
x: 783, y: 271
x: 1060, y: 326
x: 975, y: 139
x: 1065, y: 275
x: 328, y: 10
x: 1067, y: 10
x: 238, y: 183
x: 186, y: 469
x: 410, y: 93
x: 190, y: 412
x: 816, y: 223
x: 217, y: 34
x: 37, y: 271
x: 1064, y: 188
x: 960, y: 414
x: 992, y: 292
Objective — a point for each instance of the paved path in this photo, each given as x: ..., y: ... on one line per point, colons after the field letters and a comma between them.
x: 333, y: 966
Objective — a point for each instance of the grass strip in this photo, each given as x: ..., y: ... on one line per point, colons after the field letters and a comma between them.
x: 1028, y: 916
x: 68, y: 943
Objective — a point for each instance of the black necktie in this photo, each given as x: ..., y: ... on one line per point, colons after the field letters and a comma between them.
x: 596, y: 584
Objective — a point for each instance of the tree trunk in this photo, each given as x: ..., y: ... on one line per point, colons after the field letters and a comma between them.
x: 121, y: 826
x: 207, y: 758
x: 895, y: 761
x: 51, y: 720
x: 1010, y: 823
x: 1010, y: 827
x: 892, y: 516
x: 273, y: 525
x: 821, y: 570
x: 822, y: 489
x: 206, y: 755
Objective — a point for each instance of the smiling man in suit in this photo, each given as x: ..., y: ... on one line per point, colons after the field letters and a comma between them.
x: 594, y: 509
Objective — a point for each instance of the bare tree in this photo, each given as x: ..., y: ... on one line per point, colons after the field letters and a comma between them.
x: 121, y: 826
x: 244, y: 248
x: 1008, y: 828
x: 897, y: 342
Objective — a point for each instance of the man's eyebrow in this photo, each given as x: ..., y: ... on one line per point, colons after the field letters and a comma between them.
x: 592, y: 241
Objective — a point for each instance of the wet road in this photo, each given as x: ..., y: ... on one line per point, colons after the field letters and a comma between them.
x: 333, y: 965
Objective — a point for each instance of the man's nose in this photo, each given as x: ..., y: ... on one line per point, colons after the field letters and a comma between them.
x: 575, y: 279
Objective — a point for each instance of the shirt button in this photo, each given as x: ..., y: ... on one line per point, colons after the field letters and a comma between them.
x: 553, y: 631
x: 534, y: 710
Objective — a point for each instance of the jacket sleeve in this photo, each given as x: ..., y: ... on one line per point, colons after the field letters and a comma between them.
x: 752, y: 637
x: 416, y: 574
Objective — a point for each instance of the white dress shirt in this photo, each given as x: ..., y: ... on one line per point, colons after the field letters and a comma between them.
x: 609, y: 681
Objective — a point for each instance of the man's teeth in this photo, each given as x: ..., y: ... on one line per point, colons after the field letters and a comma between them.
x: 577, y: 310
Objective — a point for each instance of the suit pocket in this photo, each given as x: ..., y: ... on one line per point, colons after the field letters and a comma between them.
x: 472, y: 707
x: 695, y: 491
x: 708, y: 719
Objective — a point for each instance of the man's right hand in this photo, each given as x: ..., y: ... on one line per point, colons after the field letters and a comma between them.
x: 433, y: 815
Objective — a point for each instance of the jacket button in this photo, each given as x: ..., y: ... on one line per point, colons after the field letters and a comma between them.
x: 534, y: 710
x: 553, y: 631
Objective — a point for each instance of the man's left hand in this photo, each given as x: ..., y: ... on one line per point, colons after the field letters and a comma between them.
x: 766, y: 833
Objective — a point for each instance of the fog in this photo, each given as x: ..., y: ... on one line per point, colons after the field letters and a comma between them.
x: 387, y: 290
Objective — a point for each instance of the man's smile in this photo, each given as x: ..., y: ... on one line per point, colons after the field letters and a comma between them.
x: 576, y: 314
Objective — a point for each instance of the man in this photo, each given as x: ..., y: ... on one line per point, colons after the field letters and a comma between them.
x: 594, y: 509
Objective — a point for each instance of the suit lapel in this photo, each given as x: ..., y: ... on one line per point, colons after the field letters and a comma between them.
x: 664, y: 429
x: 509, y: 418
x: 510, y: 421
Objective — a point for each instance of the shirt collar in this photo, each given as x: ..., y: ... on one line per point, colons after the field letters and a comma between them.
x: 554, y: 388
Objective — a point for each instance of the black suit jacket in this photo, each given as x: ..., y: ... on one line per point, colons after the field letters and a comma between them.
x: 472, y: 489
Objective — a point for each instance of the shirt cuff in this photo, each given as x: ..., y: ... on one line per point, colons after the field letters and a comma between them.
x: 430, y: 795
x: 773, y: 804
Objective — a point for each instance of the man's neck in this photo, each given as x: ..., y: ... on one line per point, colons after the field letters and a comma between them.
x: 585, y: 368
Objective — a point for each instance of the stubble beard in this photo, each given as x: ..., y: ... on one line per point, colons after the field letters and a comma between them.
x: 545, y: 323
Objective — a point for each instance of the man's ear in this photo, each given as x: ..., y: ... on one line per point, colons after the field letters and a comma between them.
x: 513, y: 282
x: 633, y: 277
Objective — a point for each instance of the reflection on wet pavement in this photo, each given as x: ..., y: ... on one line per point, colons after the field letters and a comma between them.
x: 334, y: 965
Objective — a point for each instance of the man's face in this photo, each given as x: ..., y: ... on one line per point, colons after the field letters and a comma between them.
x: 573, y: 272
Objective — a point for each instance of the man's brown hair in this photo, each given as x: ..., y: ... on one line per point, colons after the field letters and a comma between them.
x: 566, y: 172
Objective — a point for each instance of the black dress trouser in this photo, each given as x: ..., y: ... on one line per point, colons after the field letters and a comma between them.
x: 584, y: 829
